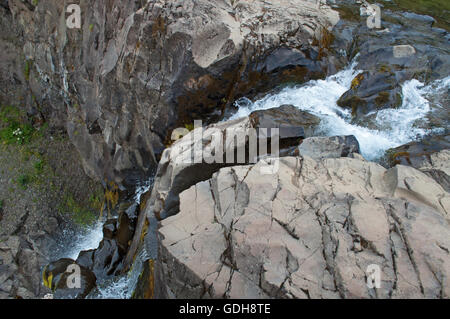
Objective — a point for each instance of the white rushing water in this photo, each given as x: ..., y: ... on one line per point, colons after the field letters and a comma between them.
x: 392, y: 127
x: 121, y: 287
x: 73, y: 241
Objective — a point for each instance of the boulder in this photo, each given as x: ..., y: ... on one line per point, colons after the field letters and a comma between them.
x: 314, y: 229
x: 417, y: 153
x: 291, y: 122
x: 106, y: 260
x: 430, y: 155
x: 329, y: 147
x: 58, y: 276
x: 109, y: 229
x: 406, y: 47
x: 372, y: 91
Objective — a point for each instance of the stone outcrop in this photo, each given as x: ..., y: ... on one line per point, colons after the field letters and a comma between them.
x: 431, y: 156
x: 329, y: 147
x: 137, y: 69
x: 439, y: 168
x: 311, y: 230
x: 178, y: 169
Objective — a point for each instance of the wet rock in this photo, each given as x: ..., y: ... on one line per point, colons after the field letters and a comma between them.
x: 59, y: 277
x: 291, y: 122
x: 109, y: 229
x: 126, y: 225
x: 310, y: 230
x: 329, y: 147
x: 145, y: 288
x: 418, y: 154
x: 86, y: 258
x: 372, y: 91
x: 106, y: 258
x: 406, y: 48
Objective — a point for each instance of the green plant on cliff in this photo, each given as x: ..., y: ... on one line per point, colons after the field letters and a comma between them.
x: 27, y: 69
x: 13, y: 127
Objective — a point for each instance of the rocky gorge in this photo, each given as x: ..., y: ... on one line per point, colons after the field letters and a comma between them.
x: 361, y: 179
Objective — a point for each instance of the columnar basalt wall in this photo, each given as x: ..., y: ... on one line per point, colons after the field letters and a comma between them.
x: 137, y: 69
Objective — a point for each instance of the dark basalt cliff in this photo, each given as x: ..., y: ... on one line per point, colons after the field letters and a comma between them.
x: 134, y: 71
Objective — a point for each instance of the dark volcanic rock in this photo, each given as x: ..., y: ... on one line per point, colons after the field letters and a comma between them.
x: 430, y: 155
x: 137, y: 69
x: 106, y: 260
x: 406, y: 47
x: 372, y: 91
x: 417, y: 154
x: 57, y: 277
x: 291, y: 122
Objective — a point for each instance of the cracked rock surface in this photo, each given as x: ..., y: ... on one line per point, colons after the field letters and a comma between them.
x: 309, y: 231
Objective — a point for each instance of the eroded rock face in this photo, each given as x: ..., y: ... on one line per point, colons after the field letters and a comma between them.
x: 309, y: 231
x: 431, y: 156
x: 137, y: 69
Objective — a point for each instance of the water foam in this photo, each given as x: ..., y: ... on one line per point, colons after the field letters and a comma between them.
x: 391, y: 128
x: 76, y: 241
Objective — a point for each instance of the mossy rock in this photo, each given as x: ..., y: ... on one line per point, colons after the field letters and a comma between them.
x: 59, y: 277
x: 145, y: 288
